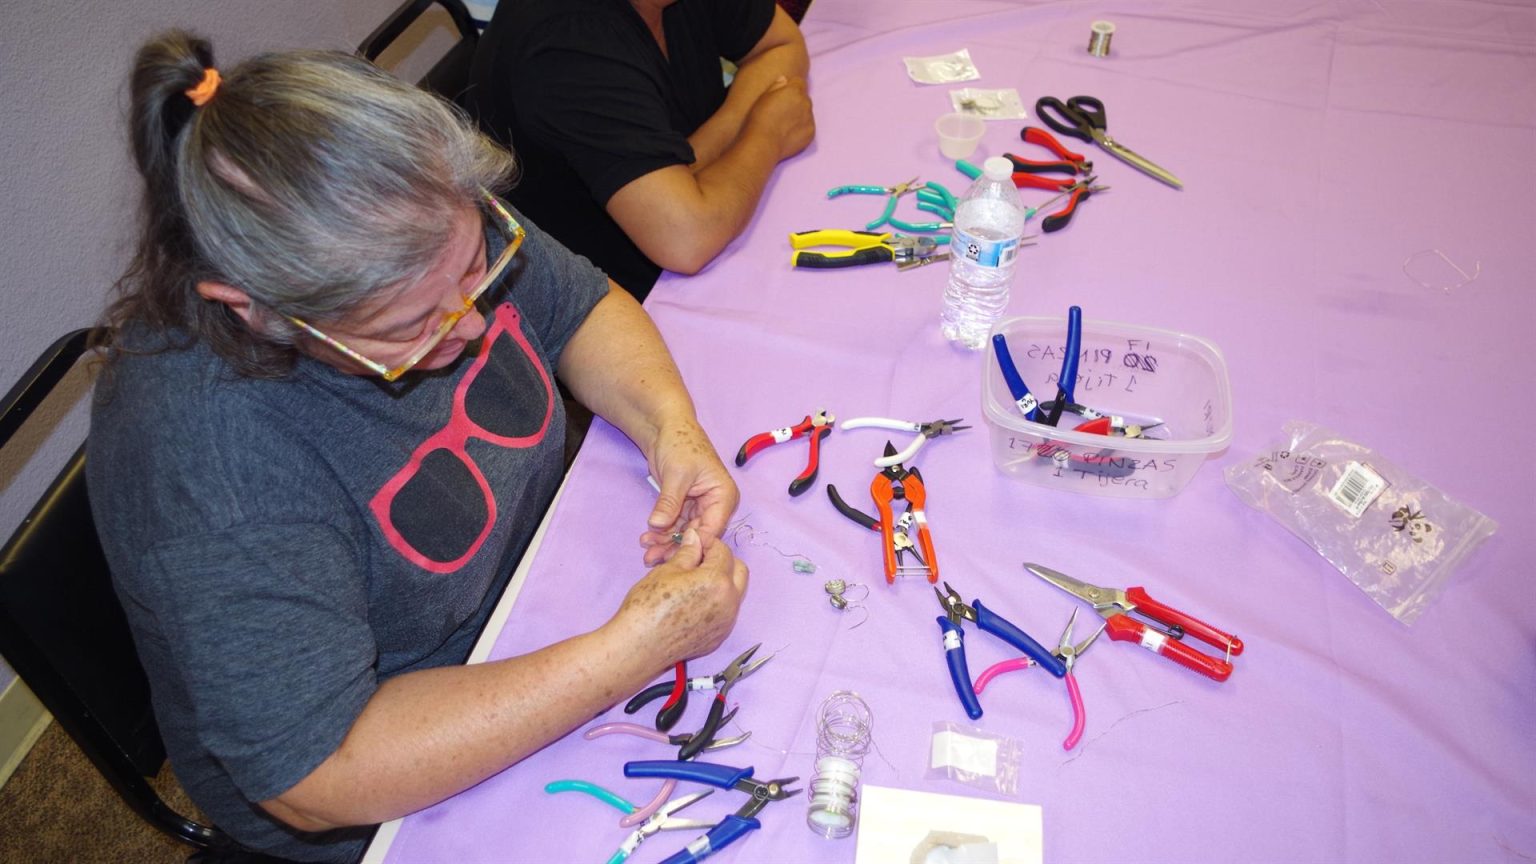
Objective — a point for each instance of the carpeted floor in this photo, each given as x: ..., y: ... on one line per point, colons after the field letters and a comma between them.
x: 56, y: 808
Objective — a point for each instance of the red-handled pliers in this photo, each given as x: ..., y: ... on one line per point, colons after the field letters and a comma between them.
x: 1115, y: 605
x: 817, y: 426
x: 1076, y: 194
x: 1068, y: 160
x: 1026, y: 171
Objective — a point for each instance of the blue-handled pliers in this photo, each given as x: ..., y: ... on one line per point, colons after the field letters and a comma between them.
x: 1066, y: 384
x: 731, y: 827
x: 955, y: 613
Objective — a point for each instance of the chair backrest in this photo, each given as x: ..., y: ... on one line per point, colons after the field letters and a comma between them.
x: 449, y: 76
x: 63, y: 630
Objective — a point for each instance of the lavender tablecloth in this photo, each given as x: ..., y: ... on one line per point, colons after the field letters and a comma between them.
x: 1345, y: 164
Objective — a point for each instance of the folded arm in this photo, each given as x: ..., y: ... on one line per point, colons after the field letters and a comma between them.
x: 682, y: 216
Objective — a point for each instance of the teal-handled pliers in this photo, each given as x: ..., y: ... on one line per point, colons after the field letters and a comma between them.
x: 661, y: 820
x: 931, y: 197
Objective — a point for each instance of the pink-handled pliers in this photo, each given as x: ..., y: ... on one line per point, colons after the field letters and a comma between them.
x: 639, y: 815
x: 1068, y: 654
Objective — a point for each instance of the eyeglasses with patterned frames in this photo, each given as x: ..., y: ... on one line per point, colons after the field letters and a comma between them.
x: 508, y: 225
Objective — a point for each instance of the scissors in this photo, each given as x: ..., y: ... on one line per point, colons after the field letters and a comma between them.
x: 1082, y: 117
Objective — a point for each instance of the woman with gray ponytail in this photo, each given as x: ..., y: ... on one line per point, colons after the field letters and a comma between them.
x: 327, y: 431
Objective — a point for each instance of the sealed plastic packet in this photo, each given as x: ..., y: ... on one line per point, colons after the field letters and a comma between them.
x: 1395, y: 536
x: 942, y: 68
x: 1001, y: 104
x: 974, y: 757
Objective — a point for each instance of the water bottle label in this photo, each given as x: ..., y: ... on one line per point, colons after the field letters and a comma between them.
x: 987, y: 253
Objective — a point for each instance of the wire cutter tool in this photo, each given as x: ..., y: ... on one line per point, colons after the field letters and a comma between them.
x: 925, y: 431
x: 863, y: 247
x: 1068, y: 654
x: 900, y: 542
x: 891, y: 483
x: 732, y: 827
x: 1066, y: 383
x: 817, y: 426
x: 1116, y: 606
x: 956, y: 612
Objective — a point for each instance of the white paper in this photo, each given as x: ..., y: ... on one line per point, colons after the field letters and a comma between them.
x: 892, y: 822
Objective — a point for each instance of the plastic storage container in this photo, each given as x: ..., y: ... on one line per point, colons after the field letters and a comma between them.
x: 1142, y: 373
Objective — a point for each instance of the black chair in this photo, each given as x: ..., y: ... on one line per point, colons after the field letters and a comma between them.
x: 62, y: 629
x: 449, y: 76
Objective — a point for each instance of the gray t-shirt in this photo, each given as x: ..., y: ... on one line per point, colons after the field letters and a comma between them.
x: 283, y: 546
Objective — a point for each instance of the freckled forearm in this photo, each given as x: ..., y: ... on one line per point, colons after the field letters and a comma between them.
x: 427, y: 735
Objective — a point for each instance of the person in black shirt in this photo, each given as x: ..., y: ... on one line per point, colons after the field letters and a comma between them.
x: 633, y: 151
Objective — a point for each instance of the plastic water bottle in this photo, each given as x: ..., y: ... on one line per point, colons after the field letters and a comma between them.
x: 983, y: 251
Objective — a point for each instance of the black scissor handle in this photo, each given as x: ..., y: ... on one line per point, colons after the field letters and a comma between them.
x: 1076, y: 118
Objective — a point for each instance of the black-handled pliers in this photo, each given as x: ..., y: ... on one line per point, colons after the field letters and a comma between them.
x: 719, y: 682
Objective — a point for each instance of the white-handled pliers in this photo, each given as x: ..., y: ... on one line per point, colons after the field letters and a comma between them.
x: 924, y: 431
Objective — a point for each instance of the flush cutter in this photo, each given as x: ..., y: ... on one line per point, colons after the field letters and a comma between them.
x: 1116, y: 606
x: 956, y: 612
x: 1068, y: 654
x: 891, y: 483
x: 817, y: 426
x: 925, y: 431
x: 863, y: 247
x: 732, y: 827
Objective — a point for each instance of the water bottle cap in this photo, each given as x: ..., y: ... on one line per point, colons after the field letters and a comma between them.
x: 997, y: 168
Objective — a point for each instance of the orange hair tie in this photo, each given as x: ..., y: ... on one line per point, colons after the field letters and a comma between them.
x: 205, y: 88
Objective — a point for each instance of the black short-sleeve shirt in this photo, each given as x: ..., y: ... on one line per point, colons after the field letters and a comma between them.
x: 583, y: 95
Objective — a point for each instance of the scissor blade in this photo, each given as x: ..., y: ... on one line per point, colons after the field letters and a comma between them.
x: 1134, y: 159
x: 1099, y: 598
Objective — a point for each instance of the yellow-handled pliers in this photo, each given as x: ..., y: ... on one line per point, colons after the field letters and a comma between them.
x: 861, y: 247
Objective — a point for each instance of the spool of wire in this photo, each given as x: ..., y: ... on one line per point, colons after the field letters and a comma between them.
x: 844, y: 730
x: 1098, y: 38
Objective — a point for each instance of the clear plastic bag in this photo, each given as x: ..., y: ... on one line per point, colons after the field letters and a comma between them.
x: 978, y: 759
x: 1395, y: 536
x: 942, y: 68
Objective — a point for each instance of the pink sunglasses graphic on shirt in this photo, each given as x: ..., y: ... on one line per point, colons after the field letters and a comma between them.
x: 446, y: 554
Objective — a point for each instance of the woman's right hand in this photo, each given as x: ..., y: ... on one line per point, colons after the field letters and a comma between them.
x: 686, y: 606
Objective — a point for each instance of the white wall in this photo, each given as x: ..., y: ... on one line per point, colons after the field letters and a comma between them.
x: 67, y: 187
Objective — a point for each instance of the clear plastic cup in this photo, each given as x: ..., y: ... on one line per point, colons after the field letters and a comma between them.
x: 959, y: 134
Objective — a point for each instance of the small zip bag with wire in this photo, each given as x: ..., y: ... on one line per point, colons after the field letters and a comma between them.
x: 1395, y: 536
